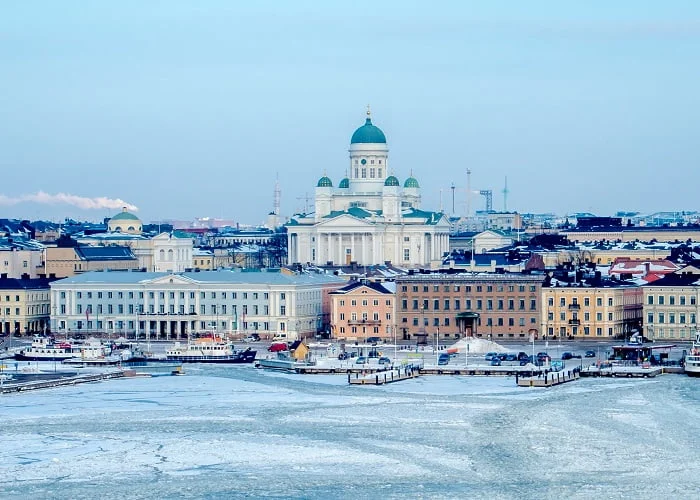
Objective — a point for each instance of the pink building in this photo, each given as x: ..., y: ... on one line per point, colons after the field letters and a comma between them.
x: 363, y: 309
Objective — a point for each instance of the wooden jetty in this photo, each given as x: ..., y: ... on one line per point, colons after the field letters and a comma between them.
x: 397, y: 374
x: 548, y: 378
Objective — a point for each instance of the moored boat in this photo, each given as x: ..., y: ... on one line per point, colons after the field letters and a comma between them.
x: 692, y: 359
x: 45, y: 349
x: 208, y: 350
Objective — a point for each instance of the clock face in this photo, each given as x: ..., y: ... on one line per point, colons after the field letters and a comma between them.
x: 364, y: 162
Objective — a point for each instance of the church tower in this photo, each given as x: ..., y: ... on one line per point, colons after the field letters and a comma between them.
x: 368, y: 158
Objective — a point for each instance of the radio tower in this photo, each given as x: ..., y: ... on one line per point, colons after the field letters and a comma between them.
x: 505, y: 196
x: 469, y: 192
x: 276, y: 196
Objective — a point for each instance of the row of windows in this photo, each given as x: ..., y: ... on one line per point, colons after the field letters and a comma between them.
x: 574, y: 302
x: 489, y: 321
x: 373, y: 174
x: 662, y: 317
x: 457, y: 303
x: 364, y: 316
x: 468, y: 288
x: 375, y: 302
x: 371, y: 162
x: 586, y: 316
x: 151, y: 295
x: 574, y: 331
x: 203, y: 325
x: 213, y: 309
x: 661, y: 300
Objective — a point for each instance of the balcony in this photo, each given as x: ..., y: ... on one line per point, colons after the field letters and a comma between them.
x: 575, y: 322
x: 574, y: 307
x: 369, y: 322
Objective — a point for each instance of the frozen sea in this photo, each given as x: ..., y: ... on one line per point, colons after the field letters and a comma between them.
x: 238, y: 432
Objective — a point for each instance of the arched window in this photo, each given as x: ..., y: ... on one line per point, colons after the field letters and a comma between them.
x: 170, y: 255
x: 162, y: 254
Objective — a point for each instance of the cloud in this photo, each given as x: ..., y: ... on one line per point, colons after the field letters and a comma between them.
x: 82, y: 202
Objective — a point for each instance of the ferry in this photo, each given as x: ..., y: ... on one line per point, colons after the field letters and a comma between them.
x: 692, y: 359
x: 208, y: 350
x: 44, y: 349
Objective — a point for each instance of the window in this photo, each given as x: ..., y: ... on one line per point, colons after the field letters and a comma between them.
x: 457, y: 304
x: 610, y: 301
x: 661, y: 300
x: 533, y: 304
x: 447, y: 305
x: 562, y: 302
x: 662, y: 319
x: 671, y: 300
x: 599, y: 301
x: 283, y: 310
x: 682, y: 300
x: 406, y: 254
x: 436, y: 305
x: 489, y: 304
x: 586, y: 302
x: 282, y: 296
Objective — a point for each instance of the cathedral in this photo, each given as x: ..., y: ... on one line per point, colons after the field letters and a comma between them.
x: 369, y: 218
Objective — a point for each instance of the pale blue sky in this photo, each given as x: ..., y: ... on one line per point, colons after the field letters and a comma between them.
x: 190, y: 108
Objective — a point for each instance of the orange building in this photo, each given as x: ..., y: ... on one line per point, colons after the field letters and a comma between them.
x: 363, y: 309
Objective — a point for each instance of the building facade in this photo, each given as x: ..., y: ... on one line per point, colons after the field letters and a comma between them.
x: 177, y: 305
x: 25, y: 305
x: 369, y: 218
x: 64, y: 262
x: 671, y: 307
x: 363, y: 309
x: 449, y: 306
x: 591, y: 312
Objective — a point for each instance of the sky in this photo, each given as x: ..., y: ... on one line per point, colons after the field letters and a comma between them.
x: 185, y: 109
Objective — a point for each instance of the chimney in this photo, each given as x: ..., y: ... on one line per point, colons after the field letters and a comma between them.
x: 25, y: 276
x: 647, y: 266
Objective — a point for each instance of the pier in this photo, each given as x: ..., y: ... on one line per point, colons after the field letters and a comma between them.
x: 46, y: 383
x: 398, y: 374
x: 548, y: 378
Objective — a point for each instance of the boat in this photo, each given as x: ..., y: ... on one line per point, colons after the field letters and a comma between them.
x: 45, y: 349
x: 208, y: 350
x: 692, y: 359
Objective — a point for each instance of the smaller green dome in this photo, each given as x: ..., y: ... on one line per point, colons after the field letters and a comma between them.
x: 411, y: 182
x: 324, y: 182
x: 344, y: 184
x: 391, y: 181
x: 124, y: 216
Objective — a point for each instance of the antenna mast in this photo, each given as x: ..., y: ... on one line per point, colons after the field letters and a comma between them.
x: 469, y: 192
x: 277, y: 196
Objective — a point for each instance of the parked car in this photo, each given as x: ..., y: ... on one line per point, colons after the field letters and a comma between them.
x: 361, y: 360
x: 443, y: 359
x: 278, y: 347
x: 253, y: 337
x: 374, y: 340
x: 490, y: 355
x: 495, y: 361
x: 523, y: 356
x: 566, y: 355
x: 343, y: 355
x: 511, y: 357
x: 525, y: 361
x: 590, y: 354
x: 384, y: 361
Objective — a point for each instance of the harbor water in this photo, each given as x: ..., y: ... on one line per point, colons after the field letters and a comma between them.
x: 238, y: 432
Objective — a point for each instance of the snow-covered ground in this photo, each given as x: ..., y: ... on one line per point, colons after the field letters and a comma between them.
x: 232, y: 432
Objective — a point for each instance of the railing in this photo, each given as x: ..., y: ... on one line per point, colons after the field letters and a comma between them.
x: 372, y: 322
x: 574, y: 307
x: 574, y: 321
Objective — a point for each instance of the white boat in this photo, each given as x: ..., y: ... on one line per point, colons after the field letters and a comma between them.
x: 45, y: 349
x: 209, y: 350
x: 692, y: 359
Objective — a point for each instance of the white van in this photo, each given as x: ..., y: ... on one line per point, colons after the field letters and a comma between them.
x: 281, y: 337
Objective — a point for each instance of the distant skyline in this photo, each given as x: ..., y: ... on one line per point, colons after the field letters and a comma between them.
x: 191, y: 109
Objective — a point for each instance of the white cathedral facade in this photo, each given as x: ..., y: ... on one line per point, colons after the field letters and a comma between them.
x: 369, y: 218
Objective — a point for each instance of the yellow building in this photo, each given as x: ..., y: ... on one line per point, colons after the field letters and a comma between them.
x: 671, y: 306
x: 584, y: 312
x: 25, y: 305
x: 64, y: 262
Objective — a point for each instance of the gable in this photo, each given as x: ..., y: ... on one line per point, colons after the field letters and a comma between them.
x: 344, y: 220
x: 172, y: 279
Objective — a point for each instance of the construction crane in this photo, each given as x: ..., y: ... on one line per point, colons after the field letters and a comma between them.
x: 488, y: 195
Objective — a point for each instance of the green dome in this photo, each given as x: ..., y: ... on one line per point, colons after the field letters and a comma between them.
x: 344, y: 184
x: 411, y: 183
x: 391, y: 181
x: 124, y: 216
x: 324, y: 182
x: 368, y: 134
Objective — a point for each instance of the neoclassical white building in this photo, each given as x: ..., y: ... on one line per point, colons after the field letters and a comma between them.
x: 369, y: 218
